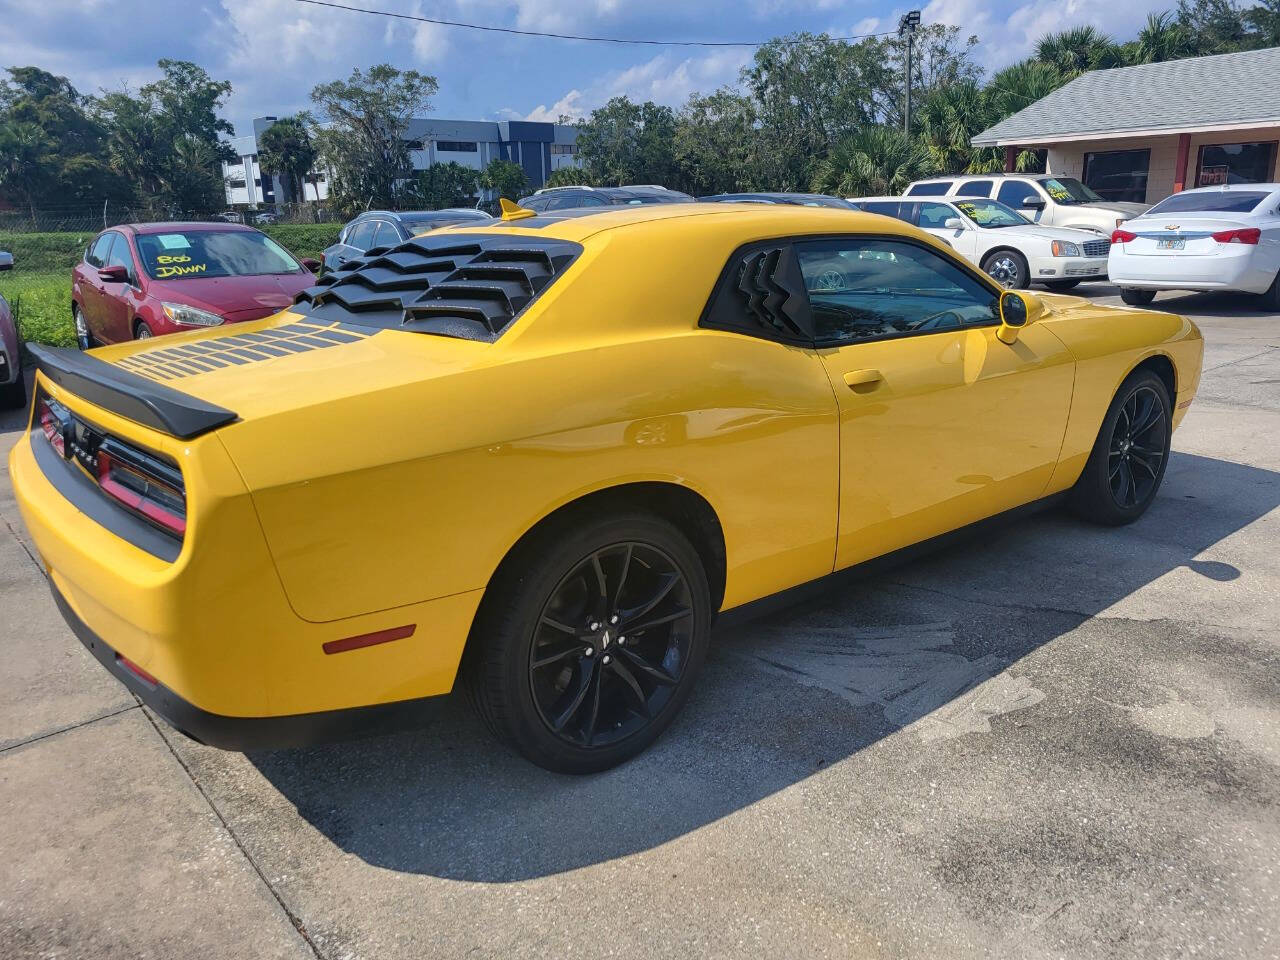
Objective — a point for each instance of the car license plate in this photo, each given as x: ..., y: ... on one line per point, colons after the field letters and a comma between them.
x: 1171, y: 244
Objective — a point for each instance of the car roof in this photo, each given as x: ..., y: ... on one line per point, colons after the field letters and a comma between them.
x: 182, y: 226
x: 1230, y: 187
x: 763, y: 219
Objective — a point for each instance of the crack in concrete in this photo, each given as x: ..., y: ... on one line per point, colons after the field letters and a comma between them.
x: 293, y: 918
x: 68, y: 728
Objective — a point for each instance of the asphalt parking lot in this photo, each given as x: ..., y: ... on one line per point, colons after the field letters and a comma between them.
x: 1050, y: 741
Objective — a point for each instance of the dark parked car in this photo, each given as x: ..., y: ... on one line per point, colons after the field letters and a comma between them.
x: 565, y: 198
x: 794, y: 199
x: 383, y: 228
x: 140, y: 280
x: 13, y: 389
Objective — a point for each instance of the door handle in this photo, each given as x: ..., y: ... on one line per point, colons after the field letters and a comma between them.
x: 863, y: 380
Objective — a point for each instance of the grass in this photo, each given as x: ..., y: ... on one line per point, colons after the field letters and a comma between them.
x: 41, y: 302
x: 39, y: 286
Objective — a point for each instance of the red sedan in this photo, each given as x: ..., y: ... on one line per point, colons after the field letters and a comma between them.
x: 144, y: 279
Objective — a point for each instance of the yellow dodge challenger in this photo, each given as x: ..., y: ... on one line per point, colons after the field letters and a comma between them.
x: 538, y: 456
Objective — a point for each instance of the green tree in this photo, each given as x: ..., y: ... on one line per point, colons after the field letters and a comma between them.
x: 1162, y: 38
x: 444, y: 185
x: 1215, y: 26
x: 875, y: 160
x: 504, y: 178
x: 627, y: 142
x: 26, y: 155
x: 570, y: 177
x: 364, y: 145
x: 717, y: 144
x: 1263, y: 20
x: 166, y: 142
x: 1078, y: 50
x: 285, y: 150
x: 948, y: 118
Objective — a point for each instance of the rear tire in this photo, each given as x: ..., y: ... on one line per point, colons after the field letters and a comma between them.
x: 83, y: 339
x: 1137, y: 298
x: 551, y: 672
x: 1271, y: 299
x: 1061, y: 286
x: 1127, y: 464
x: 1008, y: 268
x: 13, y: 396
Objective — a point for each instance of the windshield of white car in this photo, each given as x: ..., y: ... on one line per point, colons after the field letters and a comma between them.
x: 1068, y: 191
x: 1214, y: 201
x: 990, y: 214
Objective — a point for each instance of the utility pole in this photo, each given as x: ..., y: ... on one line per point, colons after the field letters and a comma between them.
x: 907, y: 27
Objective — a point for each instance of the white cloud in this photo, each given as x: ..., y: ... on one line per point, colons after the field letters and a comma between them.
x: 570, y: 105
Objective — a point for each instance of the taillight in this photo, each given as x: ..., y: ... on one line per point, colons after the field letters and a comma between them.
x: 54, y: 423
x: 148, y: 487
x: 1122, y: 236
x: 1250, y: 235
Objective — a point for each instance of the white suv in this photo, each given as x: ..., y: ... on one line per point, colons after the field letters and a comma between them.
x: 1040, y: 197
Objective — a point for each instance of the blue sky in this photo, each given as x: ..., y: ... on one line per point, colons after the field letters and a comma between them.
x: 274, y: 51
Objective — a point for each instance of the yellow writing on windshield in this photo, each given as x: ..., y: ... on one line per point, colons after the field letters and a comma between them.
x: 180, y: 270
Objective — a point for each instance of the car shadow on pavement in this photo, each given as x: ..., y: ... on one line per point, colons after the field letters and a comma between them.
x: 927, y: 650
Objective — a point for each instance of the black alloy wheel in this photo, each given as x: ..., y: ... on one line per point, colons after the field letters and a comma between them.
x: 589, y: 638
x: 1124, y: 471
x: 611, y: 644
x: 1135, y: 458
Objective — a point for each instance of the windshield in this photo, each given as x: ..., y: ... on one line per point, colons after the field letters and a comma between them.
x: 1212, y: 201
x: 213, y: 253
x: 1068, y: 190
x: 990, y: 213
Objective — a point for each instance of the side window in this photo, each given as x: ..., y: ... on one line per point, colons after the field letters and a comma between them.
x: 385, y: 235
x: 1014, y: 192
x: 934, y: 216
x: 761, y: 293
x: 871, y: 289
x: 934, y: 188
x: 121, y: 257
x: 975, y: 188
x: 96, y: 255
x: 361, y: 235
x: 884, y: 208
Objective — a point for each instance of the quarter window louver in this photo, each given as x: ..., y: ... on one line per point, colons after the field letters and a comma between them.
x: 472, y: 288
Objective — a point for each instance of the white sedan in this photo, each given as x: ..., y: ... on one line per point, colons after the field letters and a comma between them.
x: 1211, y: 238
x: 1004, y: 243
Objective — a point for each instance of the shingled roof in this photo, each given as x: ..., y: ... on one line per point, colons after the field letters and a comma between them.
x: 1227, y: 90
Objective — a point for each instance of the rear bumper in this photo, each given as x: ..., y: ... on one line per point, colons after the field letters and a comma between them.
x: 247, y: 733
x: 1244, y: 272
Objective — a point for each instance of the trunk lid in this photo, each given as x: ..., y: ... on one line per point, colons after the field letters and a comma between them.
x: 1175, y: 235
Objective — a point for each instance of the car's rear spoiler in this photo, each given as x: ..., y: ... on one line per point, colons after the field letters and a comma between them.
x: 129, y: 395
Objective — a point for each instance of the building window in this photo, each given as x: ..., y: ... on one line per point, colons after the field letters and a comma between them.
x: 457, y: 146
x: 1236, y: 163
x: 563, y: 149
x: 413, y: 145
x: 236, y: 184
x: 1118, y: 175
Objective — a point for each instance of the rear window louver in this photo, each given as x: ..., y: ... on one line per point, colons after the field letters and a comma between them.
x: 761, y: 292
x: 470, y: 288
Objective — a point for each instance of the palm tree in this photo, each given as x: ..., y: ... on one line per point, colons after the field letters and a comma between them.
x: 1017, y: 87
x: 1078, y: 50
x: 948, y: 118
x: 285, y: 149
x: 875, y: 160
x: 1163, y: 38
x: 24, y: 159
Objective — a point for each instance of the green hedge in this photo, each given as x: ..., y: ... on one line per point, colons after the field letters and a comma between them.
x: 55, y: 251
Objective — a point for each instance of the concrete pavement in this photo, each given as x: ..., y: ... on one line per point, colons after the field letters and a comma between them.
x: 1051, y: 741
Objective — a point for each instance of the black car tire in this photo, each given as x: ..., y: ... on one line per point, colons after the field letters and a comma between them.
x: 1061, y: 286
x: 1271, y: 299
x: 13, y: 396
x: 520, y: 680
x: 1008, y: 268
x: 1121, y: 450
x: 83, y: 340
x: 1137, y: 298
x: 141, y: 331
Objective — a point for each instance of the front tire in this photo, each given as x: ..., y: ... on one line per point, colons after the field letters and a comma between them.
x: 588, y: 640
x: 141, y: 331
x: 1008, y: 268
x: 1137, y: 298
x: 1127, y: 465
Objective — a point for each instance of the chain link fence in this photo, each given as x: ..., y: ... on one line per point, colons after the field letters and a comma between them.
x: 91, y: 219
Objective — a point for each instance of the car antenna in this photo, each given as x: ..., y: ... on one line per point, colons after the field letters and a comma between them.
x: 513, y: 211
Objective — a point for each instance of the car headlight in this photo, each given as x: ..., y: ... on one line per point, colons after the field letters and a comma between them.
x: 191, y: 316
x: 1064, y: 248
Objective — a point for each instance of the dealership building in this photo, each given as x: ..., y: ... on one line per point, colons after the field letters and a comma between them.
x: 538, y: 148
x: 1142, y: 133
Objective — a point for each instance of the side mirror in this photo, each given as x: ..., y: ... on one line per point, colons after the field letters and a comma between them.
x: 6, y: 261
x: 953, y: 223
x: 1017, y: 309
x: 113, y: 274
x: 312, y: 264
x: 1032, y: 203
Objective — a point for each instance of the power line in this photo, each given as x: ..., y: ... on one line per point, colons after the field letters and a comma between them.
x: 573, y: 36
